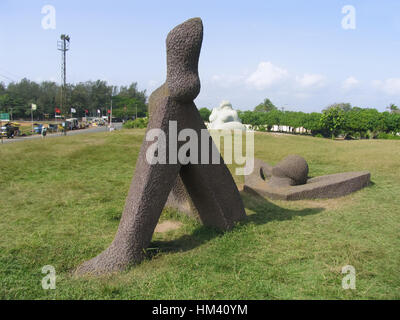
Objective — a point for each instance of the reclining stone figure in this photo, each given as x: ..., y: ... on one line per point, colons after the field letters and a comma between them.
x: 288, y: 180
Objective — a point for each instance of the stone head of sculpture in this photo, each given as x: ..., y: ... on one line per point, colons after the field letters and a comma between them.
x: 183, y: 51
x: 291, y: 171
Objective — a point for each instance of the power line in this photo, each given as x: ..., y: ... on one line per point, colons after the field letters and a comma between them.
x: 13, y: 75
x: 5, y: 77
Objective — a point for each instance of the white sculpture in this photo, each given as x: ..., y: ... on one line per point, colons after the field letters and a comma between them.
x: 225, y: 118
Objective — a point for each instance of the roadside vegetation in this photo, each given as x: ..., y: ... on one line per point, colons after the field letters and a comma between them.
x: 139, y: 123
x: 87, y: 98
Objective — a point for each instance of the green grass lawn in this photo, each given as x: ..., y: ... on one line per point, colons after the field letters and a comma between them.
x: 61, y: 200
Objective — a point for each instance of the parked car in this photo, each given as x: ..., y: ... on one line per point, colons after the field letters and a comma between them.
x: 37, y: 128
x: 52, y: 128
x: 9, y: 130
x: 72, y: 124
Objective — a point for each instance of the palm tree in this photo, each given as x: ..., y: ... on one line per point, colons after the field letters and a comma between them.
x: 393, y: 108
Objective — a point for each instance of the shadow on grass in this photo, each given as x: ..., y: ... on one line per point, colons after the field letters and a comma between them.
x: 371, y: 184
x: 262, y: 212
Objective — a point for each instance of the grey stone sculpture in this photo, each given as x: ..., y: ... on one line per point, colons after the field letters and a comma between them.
x: 179, y: 199
x: 288, y: 180
x: 210, y: 186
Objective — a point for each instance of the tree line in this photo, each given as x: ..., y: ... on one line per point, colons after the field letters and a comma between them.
x: 337, y: 119
x: 129, y: 102
x: 85, y: 97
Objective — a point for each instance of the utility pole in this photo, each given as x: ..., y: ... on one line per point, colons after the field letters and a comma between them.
x: 111, y: 115
x: 11, y: 113
x: 63, y: 46
x: 32, y: 117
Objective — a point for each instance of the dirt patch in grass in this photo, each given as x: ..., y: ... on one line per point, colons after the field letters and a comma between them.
x: 168, y: 226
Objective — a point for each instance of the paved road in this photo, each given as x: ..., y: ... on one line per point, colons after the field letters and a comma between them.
x: 117, y: 126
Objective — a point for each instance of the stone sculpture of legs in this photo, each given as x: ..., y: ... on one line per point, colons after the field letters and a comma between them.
x: 210, y: 186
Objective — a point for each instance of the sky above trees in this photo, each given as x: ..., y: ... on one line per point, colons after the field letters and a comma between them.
x: 296, y: 53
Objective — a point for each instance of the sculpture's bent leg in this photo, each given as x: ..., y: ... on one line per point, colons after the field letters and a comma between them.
x: 148, y: 193
x: 210, y: 186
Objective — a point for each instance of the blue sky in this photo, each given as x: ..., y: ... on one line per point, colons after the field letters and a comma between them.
x: 294, y: 52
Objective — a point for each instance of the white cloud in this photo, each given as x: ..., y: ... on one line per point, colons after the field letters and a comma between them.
x: 350, y: 82
x: 311, y: 80
x: 285, y: 85
x: 266, y: 75
x: 227, y: 81
x: 302, y: 95
x: 390, y: 86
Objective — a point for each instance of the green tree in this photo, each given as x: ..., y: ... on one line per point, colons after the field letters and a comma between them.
x: 133, y: 92
x: 392, y: 122
x: 48, y: 99
x: 312, y: 121
x: 266, y: 106
x: 2, y: 88
x: 342, y: 105
x: 20, y: 97
x: 205, y: 114
x: 332, y: 119
x: 80, y: 99
x: 393, y: 108
x: 127, y: 108
x: 90, y: 95
x: 129, y: 102
x: 100, y: 95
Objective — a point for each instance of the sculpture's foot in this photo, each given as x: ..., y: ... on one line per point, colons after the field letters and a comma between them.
x: 111, y: 260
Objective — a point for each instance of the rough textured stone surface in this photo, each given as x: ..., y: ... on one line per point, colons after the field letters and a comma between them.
x: 221, y: 118
x: 261, y: 172
x: 291, y: 171
x: 180, y: 200
x: 183, y: 51
x: 263, y: 182
x: 211, y: 187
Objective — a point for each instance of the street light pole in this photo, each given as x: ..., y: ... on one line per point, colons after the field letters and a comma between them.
x: 63, y: 46
x: 111, y: 115
x: 32, y: 118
